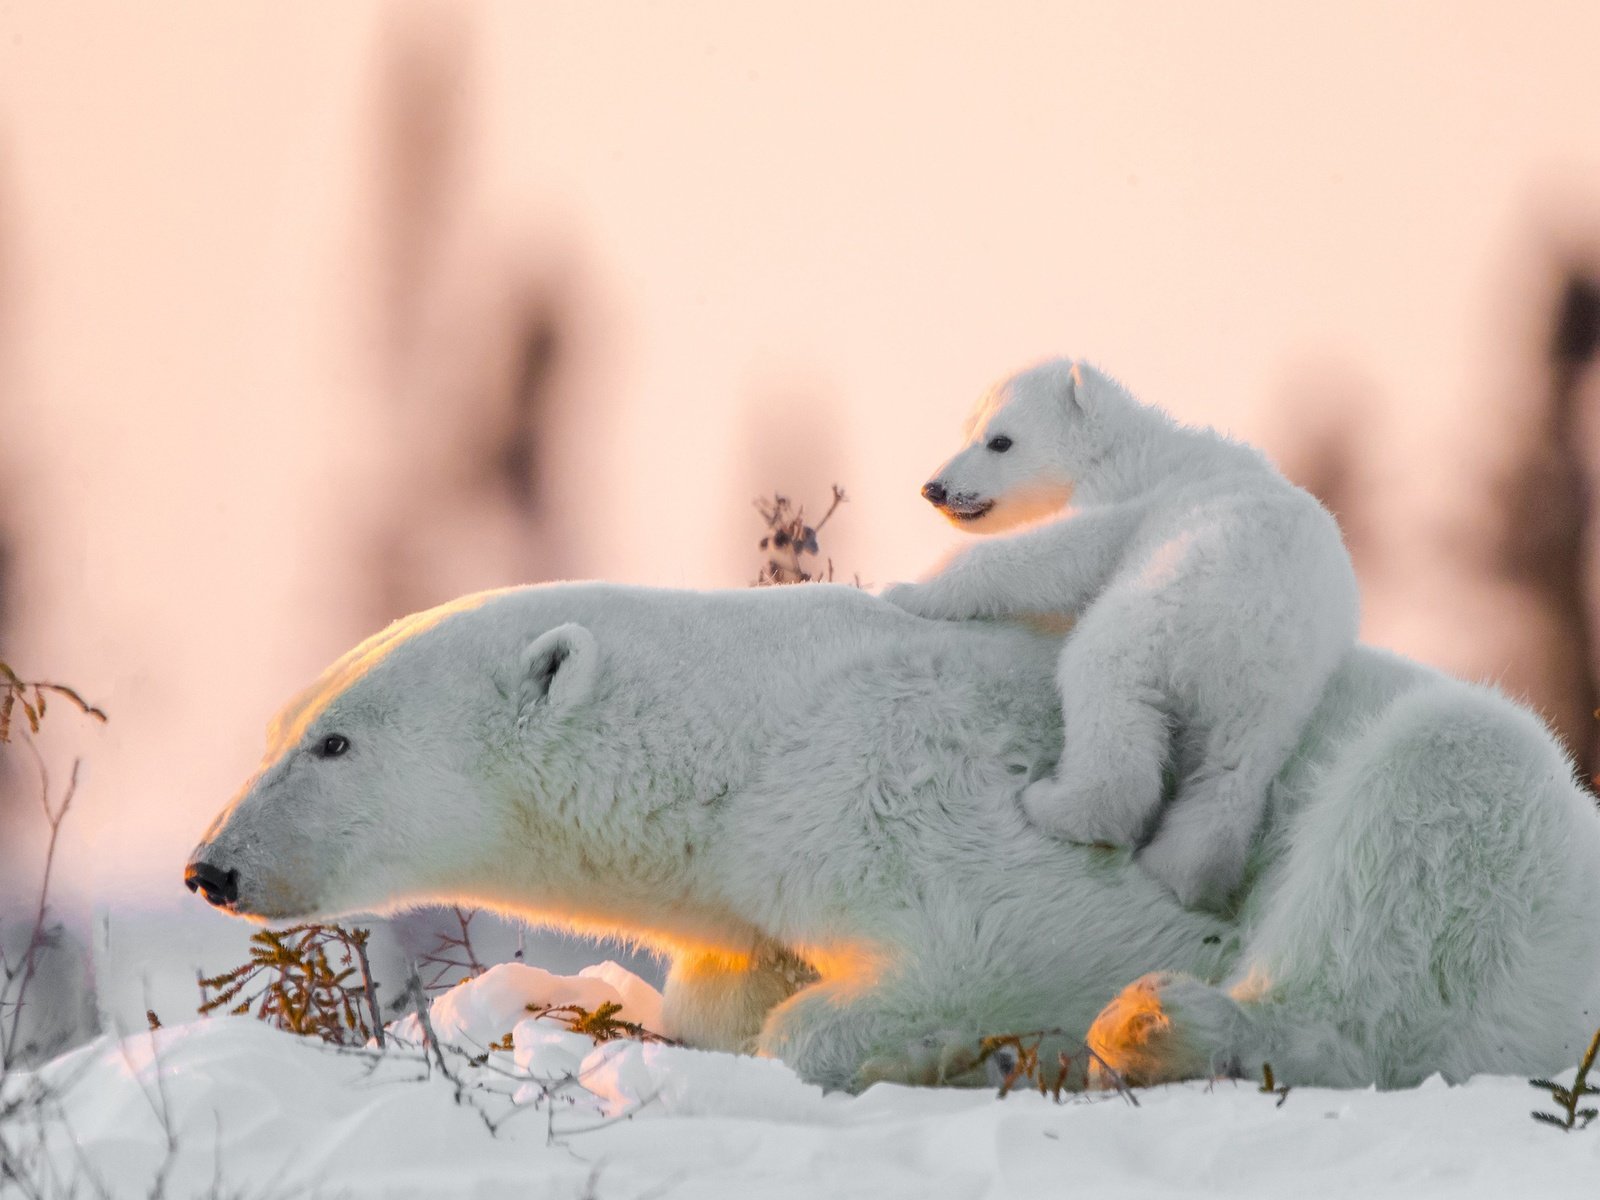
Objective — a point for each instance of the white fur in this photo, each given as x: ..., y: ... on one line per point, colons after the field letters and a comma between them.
x: 1214, y: 599
x: 809, y: 801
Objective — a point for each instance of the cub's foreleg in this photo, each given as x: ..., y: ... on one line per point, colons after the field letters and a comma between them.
x: 1057, y: 568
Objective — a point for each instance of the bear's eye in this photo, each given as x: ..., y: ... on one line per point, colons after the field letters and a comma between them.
x: 332, y: 746
x: 1000, y: 444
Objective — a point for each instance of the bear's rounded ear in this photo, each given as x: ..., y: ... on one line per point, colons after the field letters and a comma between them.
x: 558, y: 670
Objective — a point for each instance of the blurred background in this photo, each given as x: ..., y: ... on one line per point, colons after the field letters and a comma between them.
x: 314, y: 315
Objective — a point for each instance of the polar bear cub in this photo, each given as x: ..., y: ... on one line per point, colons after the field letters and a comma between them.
x: 1213, y: 601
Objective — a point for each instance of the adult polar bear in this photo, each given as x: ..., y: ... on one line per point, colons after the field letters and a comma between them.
x: 808, y: 800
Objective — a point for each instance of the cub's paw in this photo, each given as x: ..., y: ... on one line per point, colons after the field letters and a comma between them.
x: 902, y: 595
x: 1202, y: 872
x: 1071, y: 814
x: 920, y: 600
x: 1165, y: 1027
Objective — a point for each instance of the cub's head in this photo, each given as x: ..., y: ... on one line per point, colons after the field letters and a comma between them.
x: 1029, y: 441
x: 384, y: 783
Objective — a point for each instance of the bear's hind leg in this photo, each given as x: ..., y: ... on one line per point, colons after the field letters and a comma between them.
x: 1434, y: 910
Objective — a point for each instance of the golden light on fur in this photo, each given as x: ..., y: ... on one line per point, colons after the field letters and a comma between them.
x: 1133, y: 1036
x: 853, y: 969
x: 296, y: 717
x: 1038, y: 502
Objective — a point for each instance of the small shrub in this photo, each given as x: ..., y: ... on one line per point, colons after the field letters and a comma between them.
x: 789, y: 540
x: 1571, y: 1116
x: 26, y: 1110
x: 298, y: 987
x: 602, y: 1024
x: 33, y: 698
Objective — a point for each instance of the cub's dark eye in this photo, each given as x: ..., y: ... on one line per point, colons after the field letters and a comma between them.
x: 1000, y: 444
x: 332, y: 746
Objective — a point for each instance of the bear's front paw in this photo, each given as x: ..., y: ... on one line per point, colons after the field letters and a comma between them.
x: 945, y: 1059
x: 920, y: 600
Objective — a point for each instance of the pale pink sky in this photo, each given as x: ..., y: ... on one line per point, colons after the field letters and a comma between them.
x: 864, y: 211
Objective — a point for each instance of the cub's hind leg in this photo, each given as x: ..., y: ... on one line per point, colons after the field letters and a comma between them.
x: 1200, y: 849
x: 1251, y: 701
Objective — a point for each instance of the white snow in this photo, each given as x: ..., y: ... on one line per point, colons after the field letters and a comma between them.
x: 270, y: 1114
x: 485, y: 1010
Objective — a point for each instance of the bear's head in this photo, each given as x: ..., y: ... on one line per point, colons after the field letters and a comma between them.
x: 1030, y: 440
x: 383, y: 784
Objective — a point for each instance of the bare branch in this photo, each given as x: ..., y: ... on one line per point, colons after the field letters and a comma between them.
x: 15, y: 690
x: 789, y: 538
x: 36, y: 937
x: 454, y: 952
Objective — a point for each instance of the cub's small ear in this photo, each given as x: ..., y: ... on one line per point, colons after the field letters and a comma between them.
x: 1075, y: 384
x: 1087, y: 386
x: 558, y: 670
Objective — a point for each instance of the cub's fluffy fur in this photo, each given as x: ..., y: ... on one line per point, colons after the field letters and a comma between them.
x: 1213, y: 601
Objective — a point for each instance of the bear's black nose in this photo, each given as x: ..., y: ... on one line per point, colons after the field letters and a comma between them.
x: 220, y: 888
x: 933, y: 492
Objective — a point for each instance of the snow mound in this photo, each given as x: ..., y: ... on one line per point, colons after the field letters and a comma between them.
x: 625, y: 1076
x: 253, y: 1111
x: 641, y: 1003
x: 480, y: 1011
x: 547, y: 1055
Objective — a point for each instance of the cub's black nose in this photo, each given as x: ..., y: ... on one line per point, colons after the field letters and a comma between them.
x: 933, y: 492
x: 220, y: 888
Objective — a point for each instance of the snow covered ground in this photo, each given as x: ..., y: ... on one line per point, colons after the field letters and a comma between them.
x: 258, y: 1113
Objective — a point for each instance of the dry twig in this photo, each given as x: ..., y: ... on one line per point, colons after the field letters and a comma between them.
x: 454, y: 952
x: 1023, y: 1051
